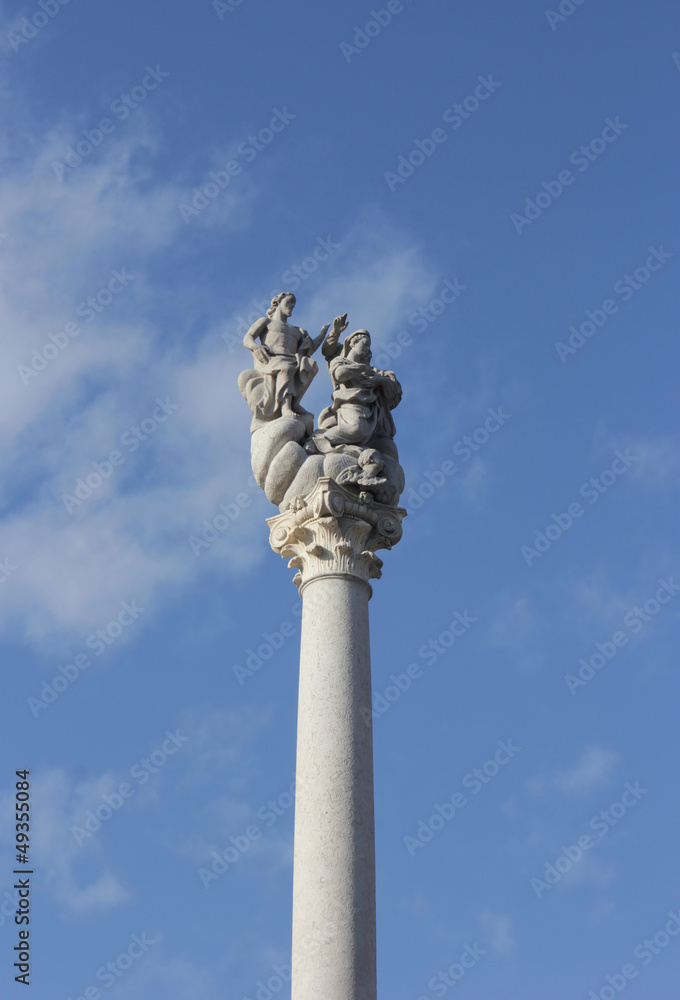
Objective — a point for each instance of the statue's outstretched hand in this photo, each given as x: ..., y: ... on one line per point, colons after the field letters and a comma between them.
x: 339, y: 324
x: 330, y: 348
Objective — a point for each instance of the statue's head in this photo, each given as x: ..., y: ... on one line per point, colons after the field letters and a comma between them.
x: 357, y: 346
x: 284, y: 299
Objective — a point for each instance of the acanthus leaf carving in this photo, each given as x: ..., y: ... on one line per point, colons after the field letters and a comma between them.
x: 332, y: 531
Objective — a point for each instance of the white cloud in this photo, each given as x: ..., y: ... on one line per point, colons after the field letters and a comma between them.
x: 515, y: 623
x: 474, y: 485
x: 594, y: 599
x: 172, y: 977
x: 499, y: 933
x: 594, y: 769
x: 515, y: 630
x: 74, y: 866
x: 602, y: 911
x: 59, y: 803
x: 219, y: 744
x: 130, y: 538
x: 654, y: 459
x: 219, y: 755
x: 589, y: 871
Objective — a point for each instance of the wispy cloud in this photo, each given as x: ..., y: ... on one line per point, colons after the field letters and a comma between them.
x: 656, y: 466
x: 499, y: 932
x: 59, y: 803
x: 130, y: 538
x: 594, y: 769
x: 516, y: 629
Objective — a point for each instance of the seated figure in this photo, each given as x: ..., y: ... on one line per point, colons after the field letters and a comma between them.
x: 363, y: 397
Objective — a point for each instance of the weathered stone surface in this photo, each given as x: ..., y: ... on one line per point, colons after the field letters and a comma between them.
x: 395, y: 475
x: 284, y: 367
x: 336, y: 462
x: 363, y: 397
x: 334, y: 924
x: 269, y: 440
x: 287, y: 462
x: 333, y: 531
x: 386, y: 447
x: 331, y: 537
x: 354, y: 440
x: 304, y: 481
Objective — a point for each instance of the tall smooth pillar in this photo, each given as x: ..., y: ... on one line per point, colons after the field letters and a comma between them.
x: 332, y: 536
x: 334, y: 862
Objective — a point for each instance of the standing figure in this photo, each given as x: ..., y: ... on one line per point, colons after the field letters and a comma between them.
x: 284, y: 366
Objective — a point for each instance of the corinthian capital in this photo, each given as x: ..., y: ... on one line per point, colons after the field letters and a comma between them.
x: 335, y: 532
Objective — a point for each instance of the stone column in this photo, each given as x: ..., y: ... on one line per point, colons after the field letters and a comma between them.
x: 332, y: 536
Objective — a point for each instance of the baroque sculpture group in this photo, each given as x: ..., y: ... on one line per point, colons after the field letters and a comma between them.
x: 354, y: 441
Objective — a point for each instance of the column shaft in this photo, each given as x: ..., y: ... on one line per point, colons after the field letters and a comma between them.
x: 334, y: 956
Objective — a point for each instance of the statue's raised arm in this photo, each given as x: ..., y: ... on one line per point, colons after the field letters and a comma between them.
x: 331, y: 346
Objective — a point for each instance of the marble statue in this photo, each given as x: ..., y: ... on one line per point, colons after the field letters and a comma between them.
x: 284, y: 366
x: 363, y: 397
x: 353, y: 443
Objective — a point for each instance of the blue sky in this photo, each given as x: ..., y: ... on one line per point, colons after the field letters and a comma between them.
x: 539, y: 436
